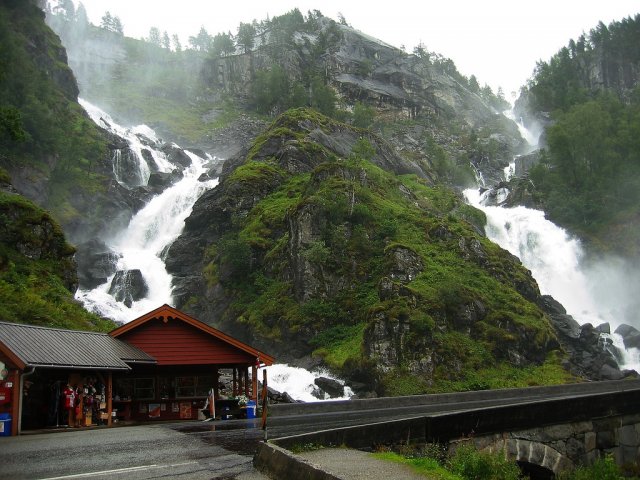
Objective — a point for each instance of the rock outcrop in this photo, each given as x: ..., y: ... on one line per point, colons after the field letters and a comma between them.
x: 37, y: 267
x: 399, y: 86
x: 630, y: 335
x: 288, y: 251
x: 96, y: 263
x: 128, y: 286
x: 590, y: 354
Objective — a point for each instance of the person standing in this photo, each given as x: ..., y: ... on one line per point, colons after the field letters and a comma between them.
x: 69, y: 403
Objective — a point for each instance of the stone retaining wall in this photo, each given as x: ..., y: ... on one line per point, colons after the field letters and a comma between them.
x: 558, y: 447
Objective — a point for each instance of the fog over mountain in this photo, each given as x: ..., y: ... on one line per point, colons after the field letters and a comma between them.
x: 497, y: 41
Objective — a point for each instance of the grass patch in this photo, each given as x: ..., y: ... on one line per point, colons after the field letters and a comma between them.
x: 338, y: 344
x: 429, y: 467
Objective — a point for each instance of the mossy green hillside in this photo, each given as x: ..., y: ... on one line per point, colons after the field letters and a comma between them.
x: 37, y: 270
x: 322, y: 294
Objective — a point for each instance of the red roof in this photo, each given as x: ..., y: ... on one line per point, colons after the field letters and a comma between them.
x: 174, y: 338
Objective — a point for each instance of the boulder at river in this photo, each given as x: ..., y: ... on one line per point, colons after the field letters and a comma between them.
x: 128, y: 286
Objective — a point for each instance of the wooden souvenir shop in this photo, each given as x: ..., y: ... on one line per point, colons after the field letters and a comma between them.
x: 164, y: 365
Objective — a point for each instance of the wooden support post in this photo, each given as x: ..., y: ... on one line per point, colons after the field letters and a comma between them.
x: 109, y: 395
x: 216, y: 382
x: 254, y: 384
x: 234, y: 387
x: 246, y: 381
x: 264, y: 400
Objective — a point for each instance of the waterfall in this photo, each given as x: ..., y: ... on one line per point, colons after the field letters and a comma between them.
x: 530, y: 135
x: 141, y: 245
x: 591, y: 292
x: 547, y: 250
x: 300, y: 383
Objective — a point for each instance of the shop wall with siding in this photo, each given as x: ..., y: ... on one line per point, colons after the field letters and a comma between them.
x: 178, y: 343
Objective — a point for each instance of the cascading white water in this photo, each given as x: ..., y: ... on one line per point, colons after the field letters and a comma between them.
x: 151, y: 230
x: 122, y: 161
x: 299, y: 383
x: 591, y: 294
x: 531, y: 136
x: 544, y: 248
x: 509, y: 171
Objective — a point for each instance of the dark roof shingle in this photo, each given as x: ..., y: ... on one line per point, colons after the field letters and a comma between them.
x: 53, y: 347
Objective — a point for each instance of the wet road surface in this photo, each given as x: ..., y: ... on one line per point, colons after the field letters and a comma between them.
x: 185, y: 451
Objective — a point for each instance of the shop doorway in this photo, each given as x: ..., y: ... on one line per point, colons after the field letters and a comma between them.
x: 45, y: 403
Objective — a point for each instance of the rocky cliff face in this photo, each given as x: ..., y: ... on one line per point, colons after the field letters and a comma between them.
x: 428, y: 94
x: 360, y: 68
x: 320, y: 239
x: 64, y: 163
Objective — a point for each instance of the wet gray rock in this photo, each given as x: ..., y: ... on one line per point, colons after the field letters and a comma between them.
x: 524, y: 163
x: 630, y: 335
x: 96, y: 263
x: 332, y: 387
x: 590, y: 355
x: 406, y: 264
x: 159, y: 181
x: 176, y: 155
x: 128, y: 286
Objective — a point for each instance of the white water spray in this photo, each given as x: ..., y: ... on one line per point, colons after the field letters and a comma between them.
x: 590, y: 293
x: 299, y: 383
x: 544, y: 248
x: 149, y: 233
x: 531, y: 136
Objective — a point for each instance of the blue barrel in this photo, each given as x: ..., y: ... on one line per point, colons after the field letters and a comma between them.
x: 251, y: 409
x: 5, y: 424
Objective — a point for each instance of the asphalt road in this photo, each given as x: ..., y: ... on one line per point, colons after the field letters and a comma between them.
x: 224, y: 449
x: 185, y: 451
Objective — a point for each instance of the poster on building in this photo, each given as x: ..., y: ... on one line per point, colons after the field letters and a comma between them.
x: 154, y: 410
x: 175, y: 407
x: 185, y: 409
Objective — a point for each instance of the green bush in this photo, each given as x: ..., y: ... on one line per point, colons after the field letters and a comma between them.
x: 471, y: 464
x: 602, y: 469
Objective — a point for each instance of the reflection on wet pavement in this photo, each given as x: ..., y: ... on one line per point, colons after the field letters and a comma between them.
x: 238, y: 436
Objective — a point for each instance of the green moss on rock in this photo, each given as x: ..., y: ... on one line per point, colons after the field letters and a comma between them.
x: 369, y: 270
x: 37, y: 271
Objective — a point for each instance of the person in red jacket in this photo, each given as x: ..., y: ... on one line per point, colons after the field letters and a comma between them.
x: 69, y: 403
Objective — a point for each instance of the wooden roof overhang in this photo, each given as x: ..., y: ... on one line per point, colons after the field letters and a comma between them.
x: 160, y: 332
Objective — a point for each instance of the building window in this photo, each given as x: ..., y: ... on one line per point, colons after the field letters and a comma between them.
x: 123, y: 389
x: 166, y: 387
x: 144, y: 389
x: 185, y: 387
x: 193, y: 386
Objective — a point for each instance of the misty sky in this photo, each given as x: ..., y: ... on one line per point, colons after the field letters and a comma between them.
x: 499, y: 41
